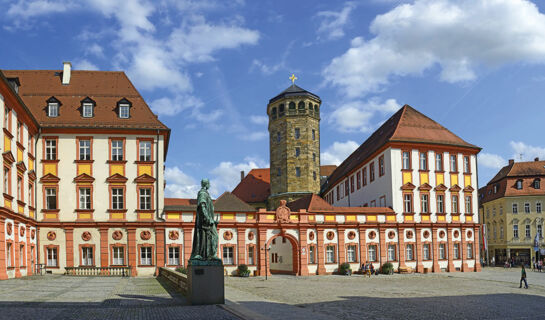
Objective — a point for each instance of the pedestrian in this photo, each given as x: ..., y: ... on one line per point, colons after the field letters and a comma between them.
x: 539, y: 265
x: 523, y: 278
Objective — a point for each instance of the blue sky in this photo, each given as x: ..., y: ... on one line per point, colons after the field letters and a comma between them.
x: 209, y: 67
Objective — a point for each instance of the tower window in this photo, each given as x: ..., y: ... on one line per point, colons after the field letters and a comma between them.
x: 314, y: 175
x: 301, y: 105
x: 292, y: 105
x: 313, y: 134
x: 314, y: 157
x: 281, y: 110
x: 297, y: 133
x: 310, y: 106
x: 278, y: 137
x: 297, y: 152
x: 278, y: 172
x: 297, y: 172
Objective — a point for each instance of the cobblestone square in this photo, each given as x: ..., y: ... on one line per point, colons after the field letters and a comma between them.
x: 491, y: 294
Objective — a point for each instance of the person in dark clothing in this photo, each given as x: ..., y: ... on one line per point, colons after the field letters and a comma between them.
x: 523, y: 278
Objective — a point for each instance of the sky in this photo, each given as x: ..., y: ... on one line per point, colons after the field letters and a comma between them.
x: 209, y: 67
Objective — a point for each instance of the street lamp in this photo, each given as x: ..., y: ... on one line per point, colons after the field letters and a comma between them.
x: 266, y: 256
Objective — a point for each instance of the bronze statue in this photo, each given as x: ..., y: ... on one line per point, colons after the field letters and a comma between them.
x: 205, y: 237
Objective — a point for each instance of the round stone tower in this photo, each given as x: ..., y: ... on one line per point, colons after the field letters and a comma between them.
x: 294, y: 138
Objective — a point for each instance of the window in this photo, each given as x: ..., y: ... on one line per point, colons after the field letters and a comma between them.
x: 538, y: 207
x: 85, y: 198
x: 145, y: 150
x: 454, y: 204
x: 372, y: 172
x: 423, y: 161
x: 278, y: 172
x: 372, y: 253
x: 468, y: 205
x: 409, y: 252
x: 31, y: 194
x: 87, y: 256
x: 297, y: 171
x: 117, y: 150
x: 145, y: 256
x: 338, y: 193
x: 297, y: 133
x: 228, y: 255
x: 540, y: 231
x: 7, y: 188
x: 51, y: 198
x: 352, y: 184
x: 124, y: 112
x: 251, y: 255
x: 346, y: 190
x: 442, y: 251
x: 53, y: 109
x: 50, y: 149
x: 145, y: 198
x: 456, y: 252
x: 85, y: 149
x: 281, y: 110
x: 314, y: 175
x: 438, y: 162
x: 501, y: 210
x: 515, y: 231
x: 501, y: 232
x: 440, y: 203
x: 174, y: 256
x: 391, y: 252
x: 351, y: 253
x: 515, y: 208
x: 408, y: 203
x: 406, y: 160
x: 314, y: 157
x: 527, y: 232
x: 364, y: 176
x: 453, y: 166
x: 297, y: 152
x: 87, y: 110
x: 313, y: 134
x: 52, y: 257
x: 311, y: 255
x: 495, y: 188
x: 424, y: 203
x: 117, y: 199
x: 518, y: 185
x: 19, y: 188
x: 494, y: 228
x: 118, y: 254
x: 537, y: 184
x: 526, y: 207
x: 466, y: 164
x: 19, y: 132
x: 6, y: 118
x: 22, y: 255
x: 426, y: 251
x: 9, y: 254
x: 330, y: 254
x: 278, y: 137
x: 358, y: 180
x: 469, y: 251
x: 381, y: 170
x: 382, y: 201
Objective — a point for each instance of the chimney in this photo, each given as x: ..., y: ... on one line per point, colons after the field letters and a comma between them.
x: 67, y: 70
x: 241, y: 175
x: 536, y: 159
x: 511, y: 161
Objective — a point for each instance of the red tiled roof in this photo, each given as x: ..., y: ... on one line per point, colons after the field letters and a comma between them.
x: 255, y: 187
x: 314, y: 203
x: 406, y: 125
x: 180, y: 202
x: 106, y: 88
x: 229, y: 202
x: 327, y: 170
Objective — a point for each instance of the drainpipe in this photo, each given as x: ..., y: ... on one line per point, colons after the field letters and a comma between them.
x: 35, y: 196
x: 157, y: 199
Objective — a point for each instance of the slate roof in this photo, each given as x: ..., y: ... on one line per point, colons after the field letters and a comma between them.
x: 106, y: 88
x: 293, y: 91
x: 406, y: 125
x: 314, y: 203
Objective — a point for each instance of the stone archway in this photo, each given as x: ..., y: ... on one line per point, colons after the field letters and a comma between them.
x: 277, y: 265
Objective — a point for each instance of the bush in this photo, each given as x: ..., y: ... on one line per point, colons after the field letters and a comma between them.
x: 181, y: 270
x: 243, y: 270
x: 387, y: 268
x: 344, y: 269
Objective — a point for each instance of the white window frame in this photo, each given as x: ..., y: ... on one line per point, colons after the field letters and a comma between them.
x: 251, y: 255
x: 426, y: 251
x: 117, y: 150
x: 423, y: 156
x: 456, y: 251
x: 228, y: 255
x: 50, y: 149
x: 84, y: 149
x: 454, y: 204
x: 406, y: 160
x: 515, y: 231
x: 424, y: 203
x: 52, y: 257
x: 469, y: 251
x: 538, y: 207
x: 86, y: 256
x: 84, y: 198
x: 409, y: 251
x: 515, y: 208
x: 118, y: 256
x: 372, y: 253
x: 145, y: 150
x: 330, y: 254
x: 528, y: 231
x: 311, y: 255
x: 391, y: 252
x: 118, y: 201
x: 87, y: 111
x: 438, y: 162
x: 124, y: 111
x: 144, y: 198
x: 51, y: 198
x: 442, y: 251
x: 146, y: 256
x: 440, y: 203
x: 407, y: 202
x: 526, y: 207
x: 351, y: 253
x: 174, y: 256
x: 53, y: 109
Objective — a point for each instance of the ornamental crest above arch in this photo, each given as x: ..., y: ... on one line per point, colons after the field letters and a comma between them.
x: 283, y: 213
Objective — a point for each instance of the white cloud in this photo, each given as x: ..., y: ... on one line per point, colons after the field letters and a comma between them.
x: 27, y: 9
x: 259, y: 119
x: 84, y: 64
x: 226, y: 175
x: 333, y: 22
x: 338, y: 152
x: 459, y: 36
x: 179, y: 184
x: 268, y: 69
x: 528, y: 152
x: 357, y: 115
x: 491, y: 160
x: 254, y: 136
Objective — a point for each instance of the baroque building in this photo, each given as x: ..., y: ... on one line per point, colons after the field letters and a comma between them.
x: 511, y: 208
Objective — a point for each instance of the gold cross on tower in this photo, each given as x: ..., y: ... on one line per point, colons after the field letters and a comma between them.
x: 293, y: 78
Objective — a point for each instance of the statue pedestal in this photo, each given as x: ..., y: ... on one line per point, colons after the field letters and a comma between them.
x: 206, y: 282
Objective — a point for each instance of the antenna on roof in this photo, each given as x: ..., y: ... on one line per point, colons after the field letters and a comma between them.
x: 520, y: 155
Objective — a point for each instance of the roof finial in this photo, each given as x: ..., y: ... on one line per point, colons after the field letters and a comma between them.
x: 293, y: 78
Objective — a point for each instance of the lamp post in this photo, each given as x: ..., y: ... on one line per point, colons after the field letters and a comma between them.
x: 266, y: 257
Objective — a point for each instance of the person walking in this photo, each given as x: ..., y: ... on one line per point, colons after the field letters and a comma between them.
x: 523, y: 277
x: 540, y: 265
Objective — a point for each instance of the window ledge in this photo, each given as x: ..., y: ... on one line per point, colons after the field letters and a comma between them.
x: 50, y: 161
x: 6, y: 131
x: 7, y: 196
x: 144, y: 162
x: 84, y: 161
x: 85, y: 210
x: 116, y: 210
x: 116, y: 161
x: 51, y: 210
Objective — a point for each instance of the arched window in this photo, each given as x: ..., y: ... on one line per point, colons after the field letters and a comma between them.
x: 537, y: 183
x: 273, y: 112
x: 310, y: 106
x: 301, y: 105
x: 281, y: 110
x: 519, y: 184
x: 292, y: 105
x: 315, y: 108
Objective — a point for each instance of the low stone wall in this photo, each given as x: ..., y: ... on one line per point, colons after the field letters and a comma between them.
x: 179, y: 279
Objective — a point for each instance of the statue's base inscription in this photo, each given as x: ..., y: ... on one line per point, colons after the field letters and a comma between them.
x: 206, y: 284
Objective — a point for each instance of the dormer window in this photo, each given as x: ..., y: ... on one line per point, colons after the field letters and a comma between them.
x: 124, y: 109
x: 537, y: 183
x: 519, y: 184
x: 87, y: 110
x: 53, y: 109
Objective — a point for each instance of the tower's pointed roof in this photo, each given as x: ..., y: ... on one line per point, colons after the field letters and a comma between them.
x: 406, y: 125
x: 293, y: 91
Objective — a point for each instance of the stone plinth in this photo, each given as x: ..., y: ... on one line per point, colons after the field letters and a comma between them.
x: 206, y: 282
